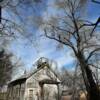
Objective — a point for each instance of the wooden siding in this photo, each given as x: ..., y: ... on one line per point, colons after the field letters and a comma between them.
x: 3, y: 96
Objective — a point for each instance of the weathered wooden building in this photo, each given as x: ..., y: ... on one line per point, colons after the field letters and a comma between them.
x: 3, y: 95
x: 41, y: 84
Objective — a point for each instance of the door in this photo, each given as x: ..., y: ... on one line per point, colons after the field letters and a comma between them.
x: 50, y: 92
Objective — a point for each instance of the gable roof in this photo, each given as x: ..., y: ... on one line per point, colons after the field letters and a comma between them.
x: 25, y: 76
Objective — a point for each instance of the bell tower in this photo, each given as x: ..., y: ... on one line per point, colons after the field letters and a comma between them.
x: 42, y: 62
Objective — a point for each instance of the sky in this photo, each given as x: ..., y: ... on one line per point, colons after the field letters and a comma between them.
x: 44, y: 47
x: 93, y: 11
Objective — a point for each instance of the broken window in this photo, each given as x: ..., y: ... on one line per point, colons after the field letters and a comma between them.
x: 32, y: 84
x: 30, y: 93
x: 29, y: 85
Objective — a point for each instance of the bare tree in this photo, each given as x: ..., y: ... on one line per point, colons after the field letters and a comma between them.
x: 5, y: 68
x: 72, y: 81
x: 12, y: 26
x: 16, y: 22
x: 71, y: 29
x: 8, y: 67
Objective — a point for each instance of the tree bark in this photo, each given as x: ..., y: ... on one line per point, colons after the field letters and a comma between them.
x: 91, y: 86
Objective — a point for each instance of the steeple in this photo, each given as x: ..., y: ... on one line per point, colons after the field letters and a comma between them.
x: 42, y: 62
x: 25, y: 72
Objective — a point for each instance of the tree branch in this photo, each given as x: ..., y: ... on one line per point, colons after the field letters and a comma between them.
x: 89, y: 24
x: 89, y: 46
x: 93, y: 66
x: 91, y: 54
x: 95, y: 1
x: 58, y: 40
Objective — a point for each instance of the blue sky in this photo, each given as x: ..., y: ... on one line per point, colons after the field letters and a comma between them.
x: 93, y: 11
x: 43, y: 47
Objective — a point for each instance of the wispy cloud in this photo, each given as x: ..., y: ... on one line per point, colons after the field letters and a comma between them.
x: 65, y: 60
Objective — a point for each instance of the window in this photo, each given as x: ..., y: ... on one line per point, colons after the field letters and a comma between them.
x: 22, y: 91
x: 32, y: 84
x: 31, y: 98
x: 29, y: 85
x: 30, y: 93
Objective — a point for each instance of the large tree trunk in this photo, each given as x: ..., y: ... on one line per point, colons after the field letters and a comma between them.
x: 91, y: 86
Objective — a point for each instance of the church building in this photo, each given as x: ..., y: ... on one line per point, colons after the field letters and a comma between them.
x: 40, y: 84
